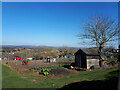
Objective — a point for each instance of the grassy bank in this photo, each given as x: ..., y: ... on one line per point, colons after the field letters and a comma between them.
x: 84, y: 79
x: 12, y: 79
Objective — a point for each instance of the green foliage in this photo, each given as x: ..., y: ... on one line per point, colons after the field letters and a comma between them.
x: 51, y: 66
x: 45, y: 71
x: 112, y: 61
x: 27, y: 60
x: 36, y: 59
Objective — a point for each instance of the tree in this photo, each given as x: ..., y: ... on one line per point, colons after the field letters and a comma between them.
x: 64, y: 50
x: 101, y: 31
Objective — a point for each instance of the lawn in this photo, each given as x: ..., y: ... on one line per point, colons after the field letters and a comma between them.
x: 105, y: 78
x: 12, y: 79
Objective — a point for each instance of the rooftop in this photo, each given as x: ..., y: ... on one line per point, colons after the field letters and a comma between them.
x: 89, y: 51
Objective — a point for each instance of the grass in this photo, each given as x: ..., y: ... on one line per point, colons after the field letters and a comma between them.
x: 12, y: 79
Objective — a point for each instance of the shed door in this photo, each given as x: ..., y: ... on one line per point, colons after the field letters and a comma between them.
x: 83, y: 63
x: 78, y: 60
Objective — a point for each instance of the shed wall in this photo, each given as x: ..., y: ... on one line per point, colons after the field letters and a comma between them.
x: 91, y: 62
x: 80, y: 61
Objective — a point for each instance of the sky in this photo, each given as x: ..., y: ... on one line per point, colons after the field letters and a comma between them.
x: 49, y: 23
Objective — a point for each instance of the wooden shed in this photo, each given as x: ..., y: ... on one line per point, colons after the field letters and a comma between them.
x: 85, y: 58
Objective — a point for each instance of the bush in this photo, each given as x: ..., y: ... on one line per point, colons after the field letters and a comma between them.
x: 36, y: 59
x: 112, y: 61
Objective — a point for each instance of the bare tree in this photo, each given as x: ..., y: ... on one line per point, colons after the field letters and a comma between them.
x: 100, y: 30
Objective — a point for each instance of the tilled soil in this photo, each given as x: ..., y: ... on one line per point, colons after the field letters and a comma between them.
x: 60, y: 71
x: 17, y: 65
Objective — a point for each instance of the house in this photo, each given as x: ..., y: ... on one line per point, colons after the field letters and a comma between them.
x: 85, y: 58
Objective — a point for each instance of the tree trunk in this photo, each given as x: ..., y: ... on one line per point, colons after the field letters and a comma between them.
x: 101, y: 53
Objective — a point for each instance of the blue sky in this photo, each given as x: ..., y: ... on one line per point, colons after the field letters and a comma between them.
x: 49, y: 23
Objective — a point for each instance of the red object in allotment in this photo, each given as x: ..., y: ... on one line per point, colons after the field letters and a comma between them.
x: 17, y: 58
x: 26, y: 62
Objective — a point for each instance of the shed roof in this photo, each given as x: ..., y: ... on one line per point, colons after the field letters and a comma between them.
x: 89, y: 51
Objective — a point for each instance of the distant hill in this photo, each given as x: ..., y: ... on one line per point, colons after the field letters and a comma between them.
x: 44, y: 46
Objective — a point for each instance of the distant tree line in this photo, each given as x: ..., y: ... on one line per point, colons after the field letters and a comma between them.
x: 37, y: 52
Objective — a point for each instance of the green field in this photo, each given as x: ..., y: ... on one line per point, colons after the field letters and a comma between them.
x: 105, y: 78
